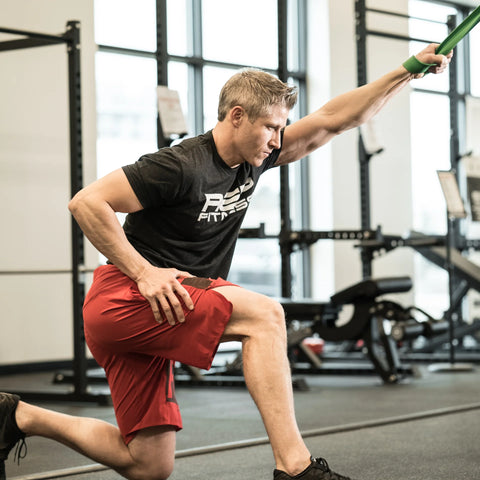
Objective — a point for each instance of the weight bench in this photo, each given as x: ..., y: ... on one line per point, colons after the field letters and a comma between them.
x: 366, y: 322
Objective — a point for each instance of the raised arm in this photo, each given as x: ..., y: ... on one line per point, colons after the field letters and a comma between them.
x: 94, y: 209
x: 351, y: 109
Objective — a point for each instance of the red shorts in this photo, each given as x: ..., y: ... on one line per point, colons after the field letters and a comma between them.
x: 138, y: 354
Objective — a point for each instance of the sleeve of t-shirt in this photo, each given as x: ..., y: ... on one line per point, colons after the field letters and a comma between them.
x: 155, y: 178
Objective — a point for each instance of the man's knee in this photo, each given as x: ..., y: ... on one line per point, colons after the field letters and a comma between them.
x: 271, y: 317
x: 153, y: 454
x: 253, y: 314
x: 153, y: 471
x: 162, y: 473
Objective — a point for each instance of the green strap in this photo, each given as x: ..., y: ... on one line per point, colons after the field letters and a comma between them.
x: 458, y: 33
x: 413, y: 65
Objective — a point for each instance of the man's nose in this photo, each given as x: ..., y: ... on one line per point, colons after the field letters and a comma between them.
x: 275, y: 141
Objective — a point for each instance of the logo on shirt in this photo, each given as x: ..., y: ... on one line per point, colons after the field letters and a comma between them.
x: 217, y: 206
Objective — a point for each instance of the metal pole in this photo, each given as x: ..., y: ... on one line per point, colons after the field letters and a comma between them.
x: 450, y: 245
x: 286, y: 224
x: 363, y: 157
x: 162, y: 61
x: 72, y: 37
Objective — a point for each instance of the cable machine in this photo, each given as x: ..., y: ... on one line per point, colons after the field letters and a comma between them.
x: 71, y: 38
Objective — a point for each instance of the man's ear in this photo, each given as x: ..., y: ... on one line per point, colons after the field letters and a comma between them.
x: 237, y: 114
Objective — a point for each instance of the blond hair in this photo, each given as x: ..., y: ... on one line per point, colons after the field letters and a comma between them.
x: 255, y: 91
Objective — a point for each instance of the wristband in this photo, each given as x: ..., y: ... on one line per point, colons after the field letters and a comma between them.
x: 414, y: 65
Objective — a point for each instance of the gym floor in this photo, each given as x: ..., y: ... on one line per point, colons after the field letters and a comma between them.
x: 425, y: 427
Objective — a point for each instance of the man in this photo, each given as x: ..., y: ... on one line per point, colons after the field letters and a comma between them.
x: 162, y: 298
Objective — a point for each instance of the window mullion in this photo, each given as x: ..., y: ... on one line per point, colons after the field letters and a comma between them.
x: 196, y: 70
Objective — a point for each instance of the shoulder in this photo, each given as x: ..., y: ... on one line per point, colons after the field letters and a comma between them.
x: 189, y: 153
x: 177, y: 157
x: 201, y: 144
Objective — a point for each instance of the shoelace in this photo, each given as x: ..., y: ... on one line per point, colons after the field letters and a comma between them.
x: 322, y: 463
x: 20, y: 451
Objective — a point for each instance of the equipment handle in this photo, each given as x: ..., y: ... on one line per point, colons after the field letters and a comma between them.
x: 413, y: 65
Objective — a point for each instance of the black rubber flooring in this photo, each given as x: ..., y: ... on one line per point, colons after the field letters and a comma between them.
x: 424, y: 428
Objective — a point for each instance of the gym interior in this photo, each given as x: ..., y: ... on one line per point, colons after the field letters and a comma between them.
x: 371, y: 243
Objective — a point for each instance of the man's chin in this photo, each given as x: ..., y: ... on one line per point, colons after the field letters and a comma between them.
x: 258, y: 161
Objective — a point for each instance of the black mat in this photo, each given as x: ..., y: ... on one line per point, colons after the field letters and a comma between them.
x: 441, y: 447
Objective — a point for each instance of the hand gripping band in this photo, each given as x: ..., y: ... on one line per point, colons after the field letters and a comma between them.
x: 413, y: 65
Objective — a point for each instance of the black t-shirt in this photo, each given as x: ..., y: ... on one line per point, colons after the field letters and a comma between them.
x: 194, y: 205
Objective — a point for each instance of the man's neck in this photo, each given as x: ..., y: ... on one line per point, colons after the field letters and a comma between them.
x: 224, y: 146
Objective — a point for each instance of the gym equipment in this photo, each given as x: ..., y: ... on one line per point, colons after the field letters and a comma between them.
x: 465, y: 272
x: 381, y: 325
x: 459, y: 32
x: 455, y: 210
x: 414, y: 65
x: 463, y: 268
x: 366, y: 325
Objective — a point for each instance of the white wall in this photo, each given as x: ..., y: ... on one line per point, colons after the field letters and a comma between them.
x: 390, y: 172
x: 36, y: 317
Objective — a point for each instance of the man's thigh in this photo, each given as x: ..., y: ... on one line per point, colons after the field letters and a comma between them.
x: 250, y: 310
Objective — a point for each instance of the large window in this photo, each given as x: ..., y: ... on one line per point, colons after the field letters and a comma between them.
x: 126, y: 103
x: 203, y: 49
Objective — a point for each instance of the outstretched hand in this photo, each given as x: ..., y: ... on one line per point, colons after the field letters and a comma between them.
x: 160, y: 286
x: 438, y: 62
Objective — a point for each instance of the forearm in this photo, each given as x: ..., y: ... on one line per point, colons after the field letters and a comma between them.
x: 100, y: 225
x: 356, y: 107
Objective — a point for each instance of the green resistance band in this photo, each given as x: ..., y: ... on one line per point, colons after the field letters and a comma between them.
x: 413, y: 65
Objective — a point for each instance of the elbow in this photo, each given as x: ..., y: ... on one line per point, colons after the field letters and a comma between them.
x: 75, y: 204
x: 72, y: 205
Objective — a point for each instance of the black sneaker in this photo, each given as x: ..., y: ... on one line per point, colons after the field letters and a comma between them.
x: 10, y: 434
x: 317, y: 470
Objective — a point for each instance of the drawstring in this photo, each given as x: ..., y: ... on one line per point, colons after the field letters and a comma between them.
x: 20, y: 451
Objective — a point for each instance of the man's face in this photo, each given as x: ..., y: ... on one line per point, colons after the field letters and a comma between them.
x: 258, y: 139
